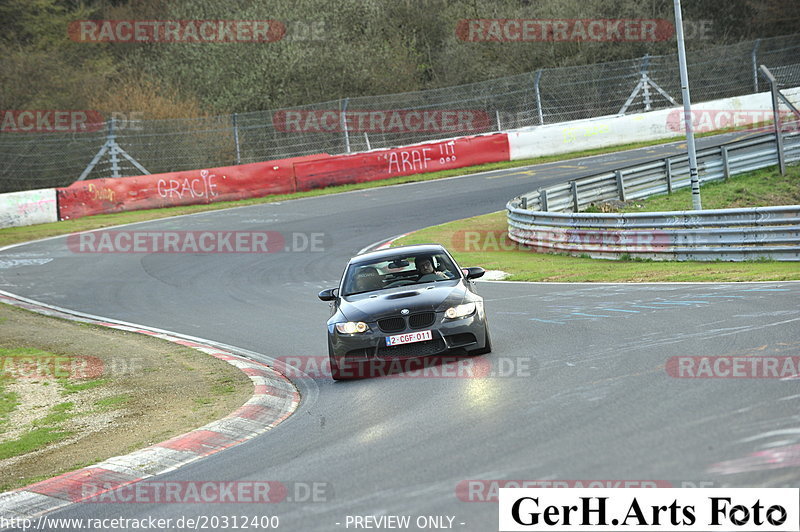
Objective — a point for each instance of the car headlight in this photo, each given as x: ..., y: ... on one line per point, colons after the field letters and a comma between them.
x: 352, y: 327
x: 460, y: 311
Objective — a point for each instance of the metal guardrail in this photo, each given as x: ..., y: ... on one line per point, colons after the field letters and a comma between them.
x: 549, y: 219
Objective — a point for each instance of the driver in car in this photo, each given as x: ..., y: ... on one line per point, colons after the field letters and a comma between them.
x: 426, y: 270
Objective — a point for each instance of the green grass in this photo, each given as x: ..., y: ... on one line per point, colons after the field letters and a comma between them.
x: 755, y: 189
x: 31, y: 441
x: 45, y: 431
x: 15, y: 235
x: 8, y: 402
x: 116, y: 401
x: 58, y: 414
x: 223, y: 386
x: 69, y: 388
x: 18, y: 352
x: 490, y: 247
x: 24, y: 362
x: 38, y: 366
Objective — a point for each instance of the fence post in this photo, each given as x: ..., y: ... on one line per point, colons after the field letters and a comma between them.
x: 755, y: 64
x: 497, y: 117
x: 114, y: 150
x: 366, y: 139
x: 620, y: 185
x: 573, y: 185
x: 236, y: 139
x: 343, y: 121
x: 777, y: 115
x: 543, y: 199
x: 112, y: 140
x: 645, y: 84
x: 523, y: 202
x: 669, y: 175
x: 726, y: 169
x: 538, y: 95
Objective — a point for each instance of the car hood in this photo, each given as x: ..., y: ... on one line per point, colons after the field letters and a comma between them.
x: 415, y: 298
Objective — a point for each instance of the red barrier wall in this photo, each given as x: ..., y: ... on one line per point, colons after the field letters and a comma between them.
x: 98, y: 196
x: 417, y: 159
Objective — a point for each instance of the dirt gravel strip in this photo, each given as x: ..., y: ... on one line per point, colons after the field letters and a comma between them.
x: 274, y: 399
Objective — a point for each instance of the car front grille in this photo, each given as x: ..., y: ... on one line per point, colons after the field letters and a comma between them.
x: 417, y: 349
x: 421, y: 320
x: 390, y: 325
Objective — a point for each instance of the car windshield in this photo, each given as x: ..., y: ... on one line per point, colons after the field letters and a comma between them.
x: 400, y: 270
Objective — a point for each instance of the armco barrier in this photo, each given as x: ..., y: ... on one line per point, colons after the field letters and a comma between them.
x: 549, y: 219
x: 28, y: 208
x: 99, y: 196
x: 85, y: 198
x: 416, y: 159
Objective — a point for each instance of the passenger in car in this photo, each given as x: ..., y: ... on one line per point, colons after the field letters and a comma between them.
x: 368, y: 279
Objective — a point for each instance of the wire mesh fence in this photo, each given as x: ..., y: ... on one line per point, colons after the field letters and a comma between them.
x: 38, y: 160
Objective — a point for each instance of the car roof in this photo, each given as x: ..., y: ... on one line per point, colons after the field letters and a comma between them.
x: 401, y: 250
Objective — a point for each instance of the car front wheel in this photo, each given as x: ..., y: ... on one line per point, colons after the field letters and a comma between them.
x: 335, y: 373
x: 487, y: 346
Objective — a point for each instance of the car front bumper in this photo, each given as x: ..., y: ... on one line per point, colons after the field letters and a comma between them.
x: 466, y: 334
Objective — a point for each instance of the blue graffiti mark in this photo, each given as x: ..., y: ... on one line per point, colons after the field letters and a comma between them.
x: 767, y: 290
x: 675, y: 302
x: 560, y: 314
x: 547, y: 321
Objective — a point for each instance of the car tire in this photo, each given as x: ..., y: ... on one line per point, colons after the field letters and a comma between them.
x: 487, y: 347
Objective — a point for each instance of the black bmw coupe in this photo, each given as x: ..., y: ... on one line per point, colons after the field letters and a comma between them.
x: 403, y: 303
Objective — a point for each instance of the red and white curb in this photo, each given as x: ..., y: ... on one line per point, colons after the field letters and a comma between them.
x: 274, y: 399
x: 383, y: 244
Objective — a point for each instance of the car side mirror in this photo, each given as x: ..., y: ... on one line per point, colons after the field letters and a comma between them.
x: 474, y: 272
x: 329, y: 294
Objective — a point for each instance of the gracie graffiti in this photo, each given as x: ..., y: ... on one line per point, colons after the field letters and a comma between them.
x: 199, y: 187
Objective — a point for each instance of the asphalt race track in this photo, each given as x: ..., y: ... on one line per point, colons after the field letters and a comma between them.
x: 579, y: 387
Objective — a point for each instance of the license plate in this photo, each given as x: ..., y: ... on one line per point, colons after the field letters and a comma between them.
x: 408, y: 338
